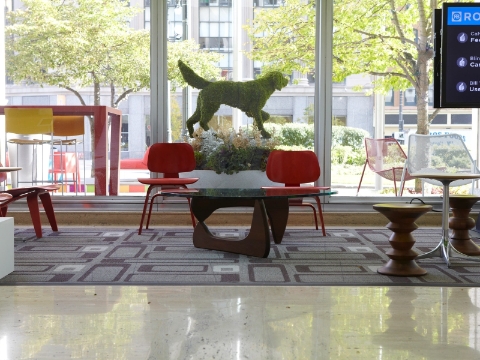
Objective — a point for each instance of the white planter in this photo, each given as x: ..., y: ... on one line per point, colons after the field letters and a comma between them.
x: 244, y: 179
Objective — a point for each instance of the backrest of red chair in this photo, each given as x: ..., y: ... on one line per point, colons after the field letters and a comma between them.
x: 293, y: 167
x: 145, y: 157
x: 66, y: 162
x: 171, y: 158
x: 384, y: 154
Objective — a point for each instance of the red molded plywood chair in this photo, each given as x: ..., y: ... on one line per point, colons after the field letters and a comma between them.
x: 32, y: 194
x: 170, y: 159
x: 294, y: 168
x: 386, y: 158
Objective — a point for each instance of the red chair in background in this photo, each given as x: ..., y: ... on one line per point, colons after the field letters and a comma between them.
x: 63, y: 164
x: 170, y: 159
x: 68, y: 131
x: 386, y: 158
x: 135, y: 164
x: 294, y: 168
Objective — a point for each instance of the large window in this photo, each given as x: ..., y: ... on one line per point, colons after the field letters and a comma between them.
x: 132, y: 101
x: 353, y: 108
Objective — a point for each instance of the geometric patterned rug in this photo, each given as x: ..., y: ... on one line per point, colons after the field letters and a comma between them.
x: 166, y: 256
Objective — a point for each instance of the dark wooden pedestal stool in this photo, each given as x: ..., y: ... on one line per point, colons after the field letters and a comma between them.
x: 402, y: 222
x: 461, y: 223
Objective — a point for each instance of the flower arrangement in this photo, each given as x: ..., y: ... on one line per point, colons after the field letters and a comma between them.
x: 229, y: 152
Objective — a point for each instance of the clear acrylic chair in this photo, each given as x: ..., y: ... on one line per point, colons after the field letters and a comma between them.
x: 439, y: 154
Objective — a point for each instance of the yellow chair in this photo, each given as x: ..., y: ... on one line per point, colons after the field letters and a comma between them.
x: 66, y: 132
x: 25, y: 122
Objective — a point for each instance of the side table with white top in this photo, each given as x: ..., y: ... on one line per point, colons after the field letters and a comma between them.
x: 445, y: 249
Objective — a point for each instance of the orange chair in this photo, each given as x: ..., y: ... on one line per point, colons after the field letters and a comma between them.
x: 294, y: 168
x: 68, y: 131
x: 169, y: 159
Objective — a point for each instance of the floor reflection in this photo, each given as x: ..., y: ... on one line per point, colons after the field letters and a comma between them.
x: 430, y: 327
x: 199, y: 322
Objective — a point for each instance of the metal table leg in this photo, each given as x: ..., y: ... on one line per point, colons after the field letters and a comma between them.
x: 444, y: 249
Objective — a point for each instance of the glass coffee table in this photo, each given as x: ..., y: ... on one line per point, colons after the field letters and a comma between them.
x: 270, y: 207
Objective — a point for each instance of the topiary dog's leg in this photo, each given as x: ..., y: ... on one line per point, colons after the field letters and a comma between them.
x: 258, y: 117
x: 265, y: 115
x: 192, y: 121
x: 207, y: 111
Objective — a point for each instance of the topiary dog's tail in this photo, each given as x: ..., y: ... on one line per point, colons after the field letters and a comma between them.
x: 191, y: 78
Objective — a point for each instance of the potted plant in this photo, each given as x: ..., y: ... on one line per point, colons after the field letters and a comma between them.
x: 226, y: 158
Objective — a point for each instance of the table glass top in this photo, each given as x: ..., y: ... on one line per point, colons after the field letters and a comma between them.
x: 289, y: 192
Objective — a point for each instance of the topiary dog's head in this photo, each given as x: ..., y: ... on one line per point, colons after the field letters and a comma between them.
x: 277, y: 79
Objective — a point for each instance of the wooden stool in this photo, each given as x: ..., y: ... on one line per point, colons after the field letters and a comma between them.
x: 402, y: 222
x: 461, y: 223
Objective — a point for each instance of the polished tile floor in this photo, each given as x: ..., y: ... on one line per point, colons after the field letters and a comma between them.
x: 202, y: 322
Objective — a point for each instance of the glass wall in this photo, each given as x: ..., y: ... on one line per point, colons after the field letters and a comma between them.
x: 384, y: 63
x: 232, y: 32
x: 93, y: 74
x: 228, y: 29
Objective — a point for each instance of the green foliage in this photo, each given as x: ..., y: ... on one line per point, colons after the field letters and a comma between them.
x: 77, y: 44
x: 230, y: 152
x: 346, y: 155
x: 297, y: 135
x: 201, y: 160
x: 274, y: 129
x: 229, y: 159
x: 348, y: 145
x: 242, y: 152
x: 450, y: 157
x: 389, y: 40
x: 278, y: 119
x: 348, y: 136
x: 201, y: 61
x: 284, y: 38
x: 175, y: 119
x: 293, y: 134
x: 308, y: 114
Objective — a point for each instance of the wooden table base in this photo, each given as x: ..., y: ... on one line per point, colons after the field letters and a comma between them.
x: 257, y: 242
x: 461, y: 223
x: 402, y: 222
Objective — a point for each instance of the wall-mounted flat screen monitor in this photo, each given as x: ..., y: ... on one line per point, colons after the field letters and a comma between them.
x: 459, y: 56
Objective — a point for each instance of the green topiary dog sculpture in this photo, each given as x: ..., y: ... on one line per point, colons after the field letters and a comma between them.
x: 249, y: 96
